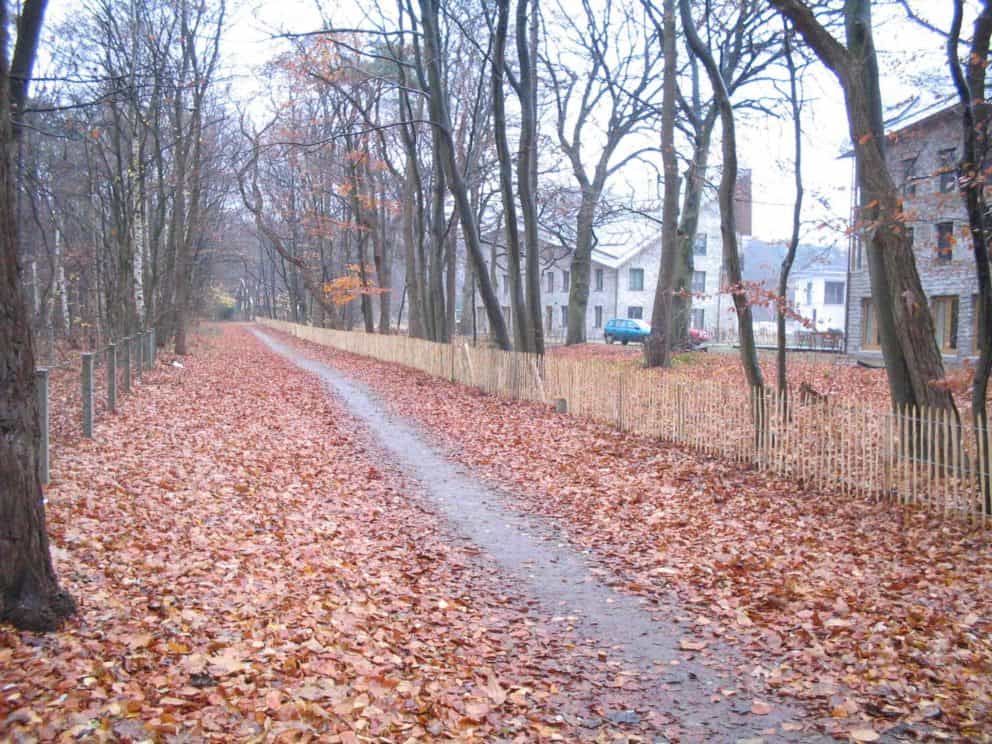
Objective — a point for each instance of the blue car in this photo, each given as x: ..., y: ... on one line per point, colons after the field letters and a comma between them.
x: 625, y: 330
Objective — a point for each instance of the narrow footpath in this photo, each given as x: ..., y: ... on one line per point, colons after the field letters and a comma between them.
x: 709, y: 702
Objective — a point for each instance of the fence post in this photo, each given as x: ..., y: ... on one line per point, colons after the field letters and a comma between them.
x: 126, y: 376
x: 112, y: 377
x: 41, y: 385
x: 87, y: 390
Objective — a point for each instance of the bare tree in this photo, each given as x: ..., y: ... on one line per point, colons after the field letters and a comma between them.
x: 658, y: 345
x: 906, y: 332
x: 615, y: 93
x: 728, y: 185
x: 971, y: 90
x: 797, y: 208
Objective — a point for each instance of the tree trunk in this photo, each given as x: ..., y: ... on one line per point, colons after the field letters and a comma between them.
x: 527, y: 165
x: 522, y: 332
x: 695, y: 181
x: 442, y: 125
x: 974, y: 125
x: 728, y: 185
x: 658, y: 344
x: 413, y: 291
x: 905, y: 326
x: 581, y: 266
x: 797, y: 208
x: 30, y: 596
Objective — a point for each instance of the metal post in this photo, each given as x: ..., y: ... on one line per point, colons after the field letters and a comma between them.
x: 41, y: 385
x: 112, y: 377
x: 87, y: 389
x: 126, y: 376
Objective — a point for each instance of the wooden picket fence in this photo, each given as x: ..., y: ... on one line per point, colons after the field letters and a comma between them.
x: 913, y: 456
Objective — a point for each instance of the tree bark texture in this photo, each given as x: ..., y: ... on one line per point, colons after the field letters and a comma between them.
x: 30, y: 595
x: 657, y: 348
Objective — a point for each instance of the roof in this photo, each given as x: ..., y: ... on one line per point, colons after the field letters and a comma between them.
x: 615, y: 257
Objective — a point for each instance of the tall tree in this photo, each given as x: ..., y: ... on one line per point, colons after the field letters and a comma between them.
x: 906, y: 333
x: 658, y: 345
x: 728, y: 185
x: 781, y: 304
x: 30, y: 595
x: 614, y: 93
x: 445, y: 152
x: 972, y: 178
x: 522, y: 326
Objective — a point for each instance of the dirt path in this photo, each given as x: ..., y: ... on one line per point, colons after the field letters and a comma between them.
x: 565, y: 583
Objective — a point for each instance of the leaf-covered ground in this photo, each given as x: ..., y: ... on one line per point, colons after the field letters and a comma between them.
x: 883, y: 615
x: 248, y: 570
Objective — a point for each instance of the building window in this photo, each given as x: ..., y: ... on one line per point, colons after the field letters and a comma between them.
x: 869, y: 325
x: 833, y: 293
x: 699, y: 245
x: 597, y: 317
x: 699, y: 282
x: 945, y: 322
x: 548, y: 317
x: 809, y: 293
x: 550, y: 275
x: 564, y: 281
x: 564, y: 316
x: 910, y: 237
x: 947, y: 170
x: 635, y: 312
x: 945, y: 241
x: 636, y: 280
x: 909, y: 177
x: 599, y: 280
x: 696, y: 318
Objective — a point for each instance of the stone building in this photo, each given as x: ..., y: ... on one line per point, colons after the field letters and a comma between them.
x: 922, y: 158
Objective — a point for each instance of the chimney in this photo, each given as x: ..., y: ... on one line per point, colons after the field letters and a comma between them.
x: 742, y: 202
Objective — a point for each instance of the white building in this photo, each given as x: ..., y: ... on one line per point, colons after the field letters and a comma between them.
x: 819, y: 295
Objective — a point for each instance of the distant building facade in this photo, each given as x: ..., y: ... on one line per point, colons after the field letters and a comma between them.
x: 818, y: 294
x: 922, y: 158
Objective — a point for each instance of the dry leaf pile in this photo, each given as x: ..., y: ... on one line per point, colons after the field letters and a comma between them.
x: 248, y: 570
x: 879, y: 616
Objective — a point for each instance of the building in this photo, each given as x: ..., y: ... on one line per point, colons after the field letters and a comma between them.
x: 623, y: 278
x: 817, y: 290
x: 922, y: 158
x: 622, y: 283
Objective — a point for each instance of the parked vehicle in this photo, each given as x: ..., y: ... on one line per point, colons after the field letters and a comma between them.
x: 625, y: 330
x: 697, y: 337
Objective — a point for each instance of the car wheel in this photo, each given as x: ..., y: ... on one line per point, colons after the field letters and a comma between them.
x: 625, y: 341
x: 609, y: 339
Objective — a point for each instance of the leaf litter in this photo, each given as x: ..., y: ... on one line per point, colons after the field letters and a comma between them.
x: 877, y: 614
x: 247, y: 571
